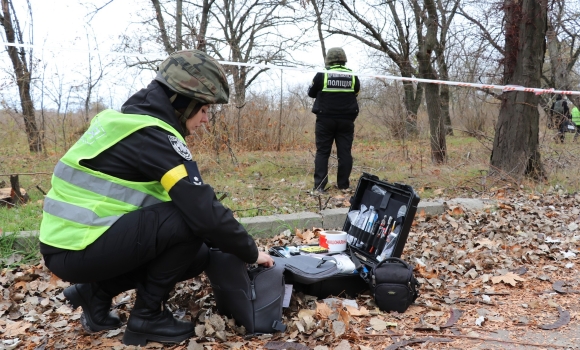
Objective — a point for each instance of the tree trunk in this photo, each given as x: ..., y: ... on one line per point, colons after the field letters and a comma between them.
x: 169, y: 49
x: 23, y: 79
x: 178, y: 21
x: 444, y: 94
x: 447, y: 16
x: 318, y: 13
x: 413, y: 97
x: 436, y: 122
x: 201, y: 44
x: 558, y: 62
x: 426, y: 46
x: 515, y: 147
x: 239, y: 74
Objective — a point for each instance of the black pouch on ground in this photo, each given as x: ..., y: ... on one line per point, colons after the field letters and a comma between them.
x: 252, y: 296
x: 306, y: 269
x: 312, y: 276
x: 393, y: 285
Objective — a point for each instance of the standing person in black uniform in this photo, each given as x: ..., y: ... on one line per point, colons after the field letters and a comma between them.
x: 560, y: 113
x: 336, y: 108
x: 128, y: 208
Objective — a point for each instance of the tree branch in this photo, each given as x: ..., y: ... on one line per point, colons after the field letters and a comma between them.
x: 486, y: 34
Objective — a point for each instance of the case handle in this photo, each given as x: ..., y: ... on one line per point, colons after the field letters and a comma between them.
x: 394, y: 259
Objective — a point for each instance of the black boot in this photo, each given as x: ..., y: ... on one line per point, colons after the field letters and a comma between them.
x: 155, y: 324
x: 96, y: 306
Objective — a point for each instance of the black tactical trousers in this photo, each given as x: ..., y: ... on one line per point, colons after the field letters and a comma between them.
x: 562, y: 128
x: 150, y: 249
x: 329, y: 130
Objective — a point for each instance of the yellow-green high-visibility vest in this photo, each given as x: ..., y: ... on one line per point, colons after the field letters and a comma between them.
x: 338, y: 82
x: 576, y: 116
x: 83, y: 203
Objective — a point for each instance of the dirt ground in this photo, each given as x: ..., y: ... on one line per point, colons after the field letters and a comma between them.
x: 505, y: 277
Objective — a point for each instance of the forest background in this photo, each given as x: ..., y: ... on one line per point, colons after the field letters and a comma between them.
x: 258, y: 150
x: 501, y: 265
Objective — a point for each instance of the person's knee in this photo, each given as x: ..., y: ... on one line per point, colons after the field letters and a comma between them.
x: 325, y: 154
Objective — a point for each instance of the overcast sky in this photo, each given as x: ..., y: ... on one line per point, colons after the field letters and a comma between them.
x: 60, y: 36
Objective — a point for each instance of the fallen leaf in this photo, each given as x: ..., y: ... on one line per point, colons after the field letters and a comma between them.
x: 564, y: 319
x: 306, y: 312
x: 505, y: 206
x: 378, y: 324
x: 322, y: 310
x: 454, y: 315
x: 357, y: 312
x: 510, y: 278
x: 339, y: 328
x: 279, y: 345
x: 457, y: 211
x: 345, y: 317
x: 16, y: 328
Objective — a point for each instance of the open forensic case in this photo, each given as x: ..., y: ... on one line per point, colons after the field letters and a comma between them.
x: 379, y: 219
x: 377, y: 226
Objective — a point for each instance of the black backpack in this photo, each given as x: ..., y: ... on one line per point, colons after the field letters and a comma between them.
x: 253, y: 296
x: 393, y: 285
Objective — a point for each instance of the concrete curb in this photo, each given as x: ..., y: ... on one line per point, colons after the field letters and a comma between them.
x: 269, y: 226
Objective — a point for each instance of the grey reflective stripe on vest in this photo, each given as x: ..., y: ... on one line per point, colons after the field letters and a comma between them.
x: 103, y: 187
x: 77, y: 214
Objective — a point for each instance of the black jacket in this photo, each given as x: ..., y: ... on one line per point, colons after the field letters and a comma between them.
x: 147, y: 155
x: 565, y: 113
x: 333, y: 104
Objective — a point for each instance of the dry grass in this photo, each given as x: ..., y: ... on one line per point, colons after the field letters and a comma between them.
x: 238, y: 155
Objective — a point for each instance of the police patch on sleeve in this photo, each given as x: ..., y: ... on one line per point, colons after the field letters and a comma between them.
x: 179, y: 147
x: 193, y: 173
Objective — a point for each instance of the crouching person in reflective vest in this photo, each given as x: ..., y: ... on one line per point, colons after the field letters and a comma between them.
x: 128, y: 208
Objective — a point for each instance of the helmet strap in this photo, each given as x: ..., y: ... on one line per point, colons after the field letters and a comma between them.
x: 188, y: 110
x: 185, y: 116
x: 171, y: 100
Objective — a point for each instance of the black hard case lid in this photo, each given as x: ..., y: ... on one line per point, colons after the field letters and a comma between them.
x: 389, y: 204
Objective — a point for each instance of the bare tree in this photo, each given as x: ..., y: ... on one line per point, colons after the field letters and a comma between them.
x: 252, y: 31
x: 22, y: 72
x: 170, y: 43
x: 173, y: 25
x: 427, y: 45
x: 515, y: 147
x: 54, y: 90
x: 384, y: 28
x: 446, y: 16
x: 318, y: 7
x: 93, y: 78
x: 563, y: 38
x: 388, y: 27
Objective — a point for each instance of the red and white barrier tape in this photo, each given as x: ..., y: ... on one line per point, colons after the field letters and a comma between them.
x: 503, y: 88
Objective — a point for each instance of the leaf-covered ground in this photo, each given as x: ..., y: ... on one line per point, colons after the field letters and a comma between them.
x: 511, y: 267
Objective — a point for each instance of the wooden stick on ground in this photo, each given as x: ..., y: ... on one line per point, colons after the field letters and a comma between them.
x: 39, y: 173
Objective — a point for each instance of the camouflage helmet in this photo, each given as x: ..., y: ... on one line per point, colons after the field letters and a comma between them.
x: 335, y: 55
x: 194, y: 74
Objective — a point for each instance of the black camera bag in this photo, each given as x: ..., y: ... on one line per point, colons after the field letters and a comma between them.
x: 393, y: 285
x: 253, y: 296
